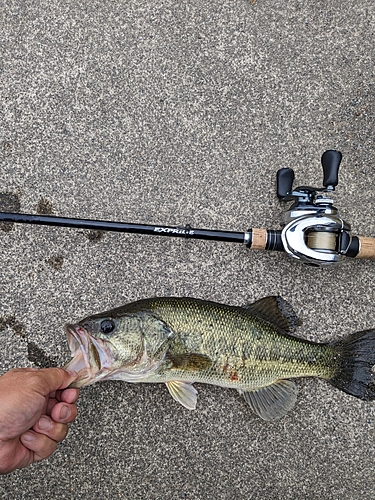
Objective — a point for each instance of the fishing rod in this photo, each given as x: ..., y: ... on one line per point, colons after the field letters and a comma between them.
x: 313, y: 233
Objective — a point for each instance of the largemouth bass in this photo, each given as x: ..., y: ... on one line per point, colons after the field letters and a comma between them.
x: 179, y: 341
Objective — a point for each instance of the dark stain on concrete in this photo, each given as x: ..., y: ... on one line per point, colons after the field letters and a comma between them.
x: 44, y: 207
x: 94, y: 236
x: 12, y: 323
x: 34, y: 354
x: 9, y: 202
x: 39, y: 358
x: 56, y: 261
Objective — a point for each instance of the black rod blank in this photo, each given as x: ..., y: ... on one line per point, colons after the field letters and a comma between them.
x: 269, y: 239
x: 124, y: 227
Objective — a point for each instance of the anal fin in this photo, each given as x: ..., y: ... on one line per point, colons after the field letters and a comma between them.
x: 273, y: 401
x: 184, y: 393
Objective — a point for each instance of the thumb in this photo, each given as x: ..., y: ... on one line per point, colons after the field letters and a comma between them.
x: 53, y: 379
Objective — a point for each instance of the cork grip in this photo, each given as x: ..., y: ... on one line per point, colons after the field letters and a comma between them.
x: 367, y: 248
x: 259, y: 239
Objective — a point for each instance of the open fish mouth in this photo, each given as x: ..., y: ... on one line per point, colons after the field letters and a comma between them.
x: 90, y: 356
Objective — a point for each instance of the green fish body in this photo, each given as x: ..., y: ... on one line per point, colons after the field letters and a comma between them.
x: 179, y: 341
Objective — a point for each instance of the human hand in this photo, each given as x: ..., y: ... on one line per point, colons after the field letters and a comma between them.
x: 35, y: 410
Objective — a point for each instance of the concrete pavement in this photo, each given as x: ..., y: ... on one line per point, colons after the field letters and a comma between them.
x: 182, y: 112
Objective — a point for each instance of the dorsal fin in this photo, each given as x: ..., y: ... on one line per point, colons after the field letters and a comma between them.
x: 277, y: 311
x: 273, y: 401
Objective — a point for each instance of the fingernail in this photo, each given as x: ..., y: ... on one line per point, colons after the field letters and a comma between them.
x: 44, y: 423
x: 28, y: 436
x: 64, y: 412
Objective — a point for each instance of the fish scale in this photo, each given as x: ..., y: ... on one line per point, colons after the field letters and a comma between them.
x: 246, y: 351
x: 179, y: 341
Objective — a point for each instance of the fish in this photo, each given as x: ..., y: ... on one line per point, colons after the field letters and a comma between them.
x: 181, y: 341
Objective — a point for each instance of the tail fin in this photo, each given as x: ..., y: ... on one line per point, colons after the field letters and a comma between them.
x: 356, y: 360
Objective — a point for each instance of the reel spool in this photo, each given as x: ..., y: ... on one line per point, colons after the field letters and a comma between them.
x: 322, y: 241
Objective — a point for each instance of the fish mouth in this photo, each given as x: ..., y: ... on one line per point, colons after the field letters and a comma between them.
x: 90, y: 357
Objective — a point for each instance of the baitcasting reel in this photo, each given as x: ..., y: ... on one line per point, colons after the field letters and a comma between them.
x: 314, y: 232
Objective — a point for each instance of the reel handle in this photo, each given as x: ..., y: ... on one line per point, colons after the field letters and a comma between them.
x: 331, y: 160
x: 285, y: 179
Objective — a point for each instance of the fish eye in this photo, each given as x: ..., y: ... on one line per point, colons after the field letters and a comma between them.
x: 107, y: 326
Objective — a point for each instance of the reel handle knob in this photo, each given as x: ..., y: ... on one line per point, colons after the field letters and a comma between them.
x: 285, y: 178
x: 331, y: 160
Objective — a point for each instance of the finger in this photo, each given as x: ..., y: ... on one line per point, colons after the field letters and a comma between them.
x: 64, y: 413
x: 69, y: 395
x: 47, y: 405
x: 51, y: 429
x: 41, y: 446
x: 14, y: 456
x: 50, y: 405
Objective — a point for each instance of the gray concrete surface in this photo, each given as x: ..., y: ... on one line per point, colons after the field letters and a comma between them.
x: 171, y: 112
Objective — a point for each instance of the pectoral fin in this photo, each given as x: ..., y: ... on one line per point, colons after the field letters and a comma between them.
x: 189, y: 362
x: 273, y: 401
x: 184, y: 393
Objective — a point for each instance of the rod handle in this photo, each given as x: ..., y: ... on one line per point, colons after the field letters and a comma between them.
x: 366, y: 248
